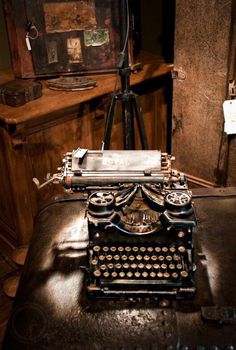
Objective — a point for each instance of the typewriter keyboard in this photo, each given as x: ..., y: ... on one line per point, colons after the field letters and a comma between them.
x: 139, y: 262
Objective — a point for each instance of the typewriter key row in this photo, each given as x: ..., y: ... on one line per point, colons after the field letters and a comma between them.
x: 138, y: 274
x: 136, y: 249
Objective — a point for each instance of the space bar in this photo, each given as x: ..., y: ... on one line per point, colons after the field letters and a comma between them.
x: 137, y: 282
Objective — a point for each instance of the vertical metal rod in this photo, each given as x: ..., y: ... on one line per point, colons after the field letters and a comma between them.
x: 128, y: 119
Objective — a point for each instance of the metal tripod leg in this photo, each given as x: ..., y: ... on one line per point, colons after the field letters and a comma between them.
x: 140, y: 123
x: 109, y: 122
x: 128, y: 122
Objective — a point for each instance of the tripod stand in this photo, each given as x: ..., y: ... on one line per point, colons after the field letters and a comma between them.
x: 130, y: 101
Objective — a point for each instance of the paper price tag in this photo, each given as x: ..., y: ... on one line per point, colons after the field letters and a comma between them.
x: 229, y: 108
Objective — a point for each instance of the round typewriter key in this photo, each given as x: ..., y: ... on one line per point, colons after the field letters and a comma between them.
x: 164, y: 266
x: 146, y: 257
x: 176, y: 257
x: 131, y: 257
x: 172, y: 266
x: 184, y: 274
x: 109, y: 257
x: 150, y: 249
x: 181, y: 249
x: 143, y: 249
x: 161, y: 258
x: 175, y: 275
x: 139, y: 257
x: 133, y: 266
x: 148, y: 266
x: 141, y: 266
x: 137, y: 274
x: 127, y: 249
x: 122, y: 274
x: 97, y: 273
x: 168, y: 257
x: 181, y: 234
x: 118, y: 266
x: 120, y: 249
x: 114, y: 274
x: 152, y: 274
x: 179, y: 266
x: 157, y: 249
x: 172, y: 249
x: 101, y: 257
x: 105, y: 249
x: 160, y: 274
x: 164, y: 249
x: 110, y: 266
x: 154, y: 258
x: 166, y: 275
x: 113, y: 249
x: 103, y: 267
x: 96, y: 248
x: 116, y: 257
x: 145, y: 274
x: 129, y: 274
x: 124, y: 257
x: 156, y: 266
x: 126, y: 266
x: 94, y: 262
x: 135, y: 249
x: 106, y: 274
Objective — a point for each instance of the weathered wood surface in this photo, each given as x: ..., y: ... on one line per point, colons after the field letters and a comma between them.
x: 202, y: 42
x: 53, y: 101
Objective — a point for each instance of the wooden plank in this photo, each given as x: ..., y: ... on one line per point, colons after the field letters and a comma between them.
x: 201, y: 51
x: 53, y: 101
x: 21, y: 56
x: 18, y: 176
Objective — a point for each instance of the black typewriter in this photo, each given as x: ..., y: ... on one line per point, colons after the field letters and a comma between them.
x: 139, y: 223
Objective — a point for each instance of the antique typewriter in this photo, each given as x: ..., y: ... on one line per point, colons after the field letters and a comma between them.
x: 140, y: 220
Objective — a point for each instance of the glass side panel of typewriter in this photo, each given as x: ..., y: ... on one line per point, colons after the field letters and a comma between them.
x: 140, y: 221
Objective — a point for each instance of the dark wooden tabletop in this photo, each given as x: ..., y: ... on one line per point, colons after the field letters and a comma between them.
x: 52, y: 312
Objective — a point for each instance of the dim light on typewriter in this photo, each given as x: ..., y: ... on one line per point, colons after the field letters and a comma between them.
x: 140, y: 220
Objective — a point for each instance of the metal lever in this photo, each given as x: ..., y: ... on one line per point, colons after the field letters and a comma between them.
x: 55, y: 178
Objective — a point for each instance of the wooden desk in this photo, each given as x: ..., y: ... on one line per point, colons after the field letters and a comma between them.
x: 35, y: 136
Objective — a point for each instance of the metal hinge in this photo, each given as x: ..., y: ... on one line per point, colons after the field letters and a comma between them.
x: 178, y: 73
x: 232, y: 89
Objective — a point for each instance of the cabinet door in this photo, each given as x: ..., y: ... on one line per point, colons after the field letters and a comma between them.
x: 7, y: 208
x: 47, y: 147
x: 154, y: 113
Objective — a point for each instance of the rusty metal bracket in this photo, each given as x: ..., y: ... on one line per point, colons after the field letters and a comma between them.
x: 232, y: 89
x: 178, y: 74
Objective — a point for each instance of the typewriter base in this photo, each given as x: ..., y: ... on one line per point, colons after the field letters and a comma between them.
x: 137, y: 290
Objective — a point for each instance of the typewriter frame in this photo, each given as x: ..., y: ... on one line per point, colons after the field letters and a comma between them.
x: 147, y: 206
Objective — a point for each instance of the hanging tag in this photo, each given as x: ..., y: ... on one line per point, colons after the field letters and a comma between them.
x: 27, y: 40
x: 229, y: 108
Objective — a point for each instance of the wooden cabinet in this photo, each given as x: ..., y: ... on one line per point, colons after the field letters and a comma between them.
x: 35, y: 136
